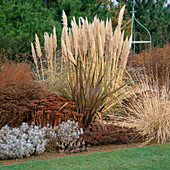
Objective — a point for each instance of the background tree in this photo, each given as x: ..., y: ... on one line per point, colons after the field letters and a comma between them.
x: 154, y: 16
x: 21, y: 20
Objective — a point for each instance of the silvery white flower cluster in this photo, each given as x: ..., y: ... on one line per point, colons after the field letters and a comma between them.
x: 66, y: 138
x: 21, y: 142
x: 33, y: 140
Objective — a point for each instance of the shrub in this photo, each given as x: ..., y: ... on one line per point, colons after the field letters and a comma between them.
x: 16, y: 49
x: 148, y: 110
x: 17, y: 91
x: 102, y: 134
x: 20, y: 20
x: 156, y: 64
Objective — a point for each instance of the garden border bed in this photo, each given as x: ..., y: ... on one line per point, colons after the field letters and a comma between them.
x: 53, y: 155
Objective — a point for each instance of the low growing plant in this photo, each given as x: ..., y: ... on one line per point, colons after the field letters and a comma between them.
x: 34, y: 140
x: 65, y: 138
x: 21, y: 142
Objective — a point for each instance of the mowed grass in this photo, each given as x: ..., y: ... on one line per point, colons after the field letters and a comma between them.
x: 149, y: 157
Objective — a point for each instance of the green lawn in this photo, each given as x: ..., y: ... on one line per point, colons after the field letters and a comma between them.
x: 149, y: 157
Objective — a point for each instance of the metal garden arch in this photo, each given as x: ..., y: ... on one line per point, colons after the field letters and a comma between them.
x: 133, y: 19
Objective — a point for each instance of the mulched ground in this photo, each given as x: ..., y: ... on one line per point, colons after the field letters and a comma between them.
x: 91, y: 149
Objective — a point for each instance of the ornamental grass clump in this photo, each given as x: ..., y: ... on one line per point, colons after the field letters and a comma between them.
x: 148, y: 110
x: 95, y: 59
x: 156, y: 63
x: 46, y: 61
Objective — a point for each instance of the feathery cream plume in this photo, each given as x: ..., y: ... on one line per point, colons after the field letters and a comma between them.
x: 107, y: 36
x: 47, y: 46
x: 120, y: 43
x: 35, y: 59
x: 75, y: 39
x: 71, y: 40
x: 79, y: 22
x: 86, y: 29
x: 51, y: 47
x: 84, y: 42
x: 100, y: 47
x: 38, y: 48
x: 54, y: 38
x: 55, y: 47
x: 51, y: 57
x: 71, y: 58
x: 116, y: 38
x: 68, y: 45
x: 125, y: 53
x: 79, y: 39
x: 64, y: 50
x: 103, y: 33
x: 93, y: 50
x: 121, y: 16
x: 64, y: 19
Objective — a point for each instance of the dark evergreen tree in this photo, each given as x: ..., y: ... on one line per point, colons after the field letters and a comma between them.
x: 154, y: 16
x: 22, y: 19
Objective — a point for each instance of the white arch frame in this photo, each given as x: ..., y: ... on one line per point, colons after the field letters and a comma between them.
x: 133, y: 27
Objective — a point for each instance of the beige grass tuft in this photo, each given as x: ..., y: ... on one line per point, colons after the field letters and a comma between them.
x: 35, y: 59
x: 39, y: 53
x: 149, y: 110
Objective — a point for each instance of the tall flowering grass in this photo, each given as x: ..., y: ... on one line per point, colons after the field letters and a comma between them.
x: 94, y: 59
x: 46, y: 60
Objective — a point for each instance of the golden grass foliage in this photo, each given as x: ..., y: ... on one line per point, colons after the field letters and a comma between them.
x: 95, y: 59
x: 149, y: 110
x: 46, y: 67
x: 96, y: 42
